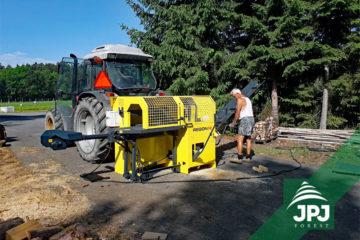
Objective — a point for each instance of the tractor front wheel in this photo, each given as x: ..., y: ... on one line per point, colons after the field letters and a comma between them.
x: 53, y: 121
x: 90, y: 119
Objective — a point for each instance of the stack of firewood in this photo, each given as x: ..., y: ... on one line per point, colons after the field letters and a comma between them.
x: 265, y: 131
x: 16, y: 228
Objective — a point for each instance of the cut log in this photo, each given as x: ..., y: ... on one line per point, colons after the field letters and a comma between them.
x: 20, y: 232
x: 43, y: 233
x: 69, y: 233
x: 9, y: 224
x: 263, y: 168
x: 265, y: 130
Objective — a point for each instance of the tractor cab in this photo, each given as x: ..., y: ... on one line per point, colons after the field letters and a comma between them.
x: 122, y: 70
x: 86, y: 86
x: 127, y: 68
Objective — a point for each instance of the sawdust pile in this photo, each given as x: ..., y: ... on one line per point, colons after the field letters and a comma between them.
x: 37, y: 192
x: 217, y: 174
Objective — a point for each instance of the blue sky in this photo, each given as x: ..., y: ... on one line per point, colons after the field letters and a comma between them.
x: 47, y: 30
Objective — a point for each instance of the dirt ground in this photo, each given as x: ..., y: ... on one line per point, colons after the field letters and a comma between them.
x: 42, y: 183
x: 28, y: 186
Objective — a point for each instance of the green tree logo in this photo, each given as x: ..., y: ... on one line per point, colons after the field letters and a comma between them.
x: 309, y: 209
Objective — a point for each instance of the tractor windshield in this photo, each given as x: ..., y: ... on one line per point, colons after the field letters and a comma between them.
x: 134, y: 74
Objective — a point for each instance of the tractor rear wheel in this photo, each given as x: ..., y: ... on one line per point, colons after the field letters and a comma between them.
x: 53, y: 121
x: 89, y: 119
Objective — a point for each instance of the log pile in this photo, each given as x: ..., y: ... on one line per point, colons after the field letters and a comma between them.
x: 336, y: 137
x: 15, y: 229
x: 265, y: 131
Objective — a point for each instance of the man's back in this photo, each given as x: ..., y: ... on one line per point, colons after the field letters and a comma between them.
x: 246, y: 109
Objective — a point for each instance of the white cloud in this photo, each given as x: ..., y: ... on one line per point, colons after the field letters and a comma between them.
x: 19, y: 58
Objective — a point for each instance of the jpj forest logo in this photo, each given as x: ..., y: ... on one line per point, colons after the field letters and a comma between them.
x: 308, y: 208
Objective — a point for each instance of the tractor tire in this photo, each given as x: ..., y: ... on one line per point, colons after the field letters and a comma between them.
x: 53, y: 121
x: 89, y: 119
x: 2, y: 136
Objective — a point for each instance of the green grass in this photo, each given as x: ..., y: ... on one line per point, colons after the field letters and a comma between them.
x: 30, y: 106
x: 297, y: 151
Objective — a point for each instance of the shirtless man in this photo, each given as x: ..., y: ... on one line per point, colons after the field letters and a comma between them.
x: 244, y: 113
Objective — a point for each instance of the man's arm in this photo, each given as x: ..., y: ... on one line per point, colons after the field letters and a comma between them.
x: 238, y: 109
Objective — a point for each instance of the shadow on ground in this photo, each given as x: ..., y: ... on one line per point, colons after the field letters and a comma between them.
x: 7, y: 117
x: 220, y: 150
x: 11, y: 139
x: 9, y: 120
x: 214, y: 210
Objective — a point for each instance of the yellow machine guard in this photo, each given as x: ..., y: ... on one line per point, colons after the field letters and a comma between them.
x: 191, y: 116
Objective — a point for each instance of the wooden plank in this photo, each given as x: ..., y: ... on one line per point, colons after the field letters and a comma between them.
x: 312, y: 141
x: 317, y: 135
x: 315, y: 138
x: 316, y: 130
x: 19, y: 232
x: 336, y: 137
x: 154, y: 236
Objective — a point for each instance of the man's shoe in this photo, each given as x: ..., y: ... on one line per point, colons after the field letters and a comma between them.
x: 248, y: 158
x: 239, y: 159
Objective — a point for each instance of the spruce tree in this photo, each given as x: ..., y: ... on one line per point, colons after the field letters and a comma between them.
x: 211, y: 46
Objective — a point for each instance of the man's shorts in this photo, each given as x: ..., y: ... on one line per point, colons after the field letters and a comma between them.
x: 246, y: 126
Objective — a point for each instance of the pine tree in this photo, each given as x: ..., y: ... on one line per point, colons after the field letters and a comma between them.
x: 288, y: 47
x: 187, y: 40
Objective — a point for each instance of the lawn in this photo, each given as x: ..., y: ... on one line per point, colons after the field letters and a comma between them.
x: 30, y: 106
